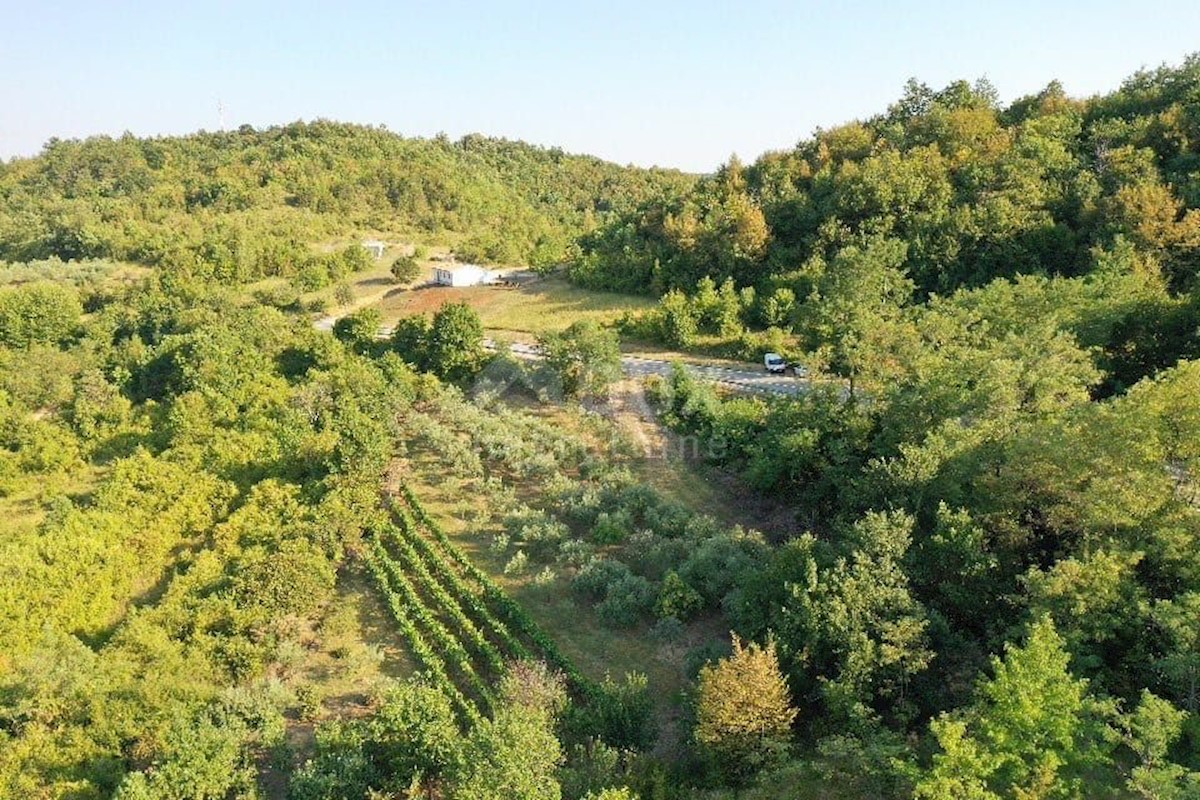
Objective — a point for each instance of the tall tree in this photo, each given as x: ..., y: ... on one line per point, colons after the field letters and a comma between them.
x: 862, y: 289
x: 454, y: 344
x: 743, y: 709
x: 1032, y: 731
x: 585, y: 358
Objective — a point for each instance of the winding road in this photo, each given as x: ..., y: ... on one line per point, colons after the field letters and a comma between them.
x: 739, y: 380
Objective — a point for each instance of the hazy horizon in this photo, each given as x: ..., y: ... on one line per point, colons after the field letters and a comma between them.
x: 672, y: 86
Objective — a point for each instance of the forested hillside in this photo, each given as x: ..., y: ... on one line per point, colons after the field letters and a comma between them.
x: 972, y: 190
x: 1001, y: 494
x: 244, y: 558
x: 246, y: 203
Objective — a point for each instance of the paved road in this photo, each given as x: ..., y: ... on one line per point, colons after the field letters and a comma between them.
x: 742, y: 380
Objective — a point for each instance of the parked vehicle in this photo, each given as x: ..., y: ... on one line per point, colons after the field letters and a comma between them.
x: 775, y: 363
x: 797, y: 369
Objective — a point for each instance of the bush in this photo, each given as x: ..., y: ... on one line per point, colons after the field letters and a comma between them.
x: 308, y: 701
x: 540, y: 533
x: 611, y: 527
x: 626, y: 601
x: 414, y: 732
x: 597, y: 575
x: 718, y: 564
x: 293, y: 580
x: 202, y: 759
x: 591, y: 768
x: 517, y: 564
x: 677, y: 599
x: 585, y: 358
x: 39, y: 313
x: 405, y: 269
x: 576, y: 553
x: 312, y: 275
x: 283, y: 297
x: 652, y: 556
x: 621, y: 714
x: 677, y: 323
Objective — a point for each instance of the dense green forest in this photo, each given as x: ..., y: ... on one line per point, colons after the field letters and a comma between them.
x: 991, y: 588
x: 973, y: 191
x: 247, y: 203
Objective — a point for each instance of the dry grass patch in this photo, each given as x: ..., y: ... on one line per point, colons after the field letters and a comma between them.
x: 537, y: 306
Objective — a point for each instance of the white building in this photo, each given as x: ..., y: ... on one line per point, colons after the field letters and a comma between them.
x: 461, y: 275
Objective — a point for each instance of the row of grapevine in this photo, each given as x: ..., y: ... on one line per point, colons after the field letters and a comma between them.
x: 454, y: 584
x: 497, y: 601
x: 439, y: 598
x: 447, y: 641
x: 428, y: 657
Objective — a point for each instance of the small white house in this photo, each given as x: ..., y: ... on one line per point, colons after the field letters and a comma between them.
x: 461, y: 275
x: 375, y: 247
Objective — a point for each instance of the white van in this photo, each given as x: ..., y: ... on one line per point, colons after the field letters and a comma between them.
x: 774, y: 363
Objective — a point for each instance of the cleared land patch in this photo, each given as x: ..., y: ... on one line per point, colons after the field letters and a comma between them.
x: 534, y: 307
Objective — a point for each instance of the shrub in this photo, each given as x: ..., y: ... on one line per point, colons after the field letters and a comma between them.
x: 575, y: 553
x: 282, y: 296
x: 39, y: 313
x: 585, y: 358
x: 517, y: 564
x: 677, y: 323
x: 540, y: 533
x: 405, y: 269
x: 308, y: 701
x: 652, y: 556
x: 597, y: 575
x: 626, y: 600
x: 611, y: 527
x: 677, y: 599
x: 717, y: 565
x: 312, y: 275
x: 294, y: 580
x: 592, y: 769
x: 621, y: 714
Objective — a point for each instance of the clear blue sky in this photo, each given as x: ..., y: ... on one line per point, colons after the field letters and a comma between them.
x: 675, y: 84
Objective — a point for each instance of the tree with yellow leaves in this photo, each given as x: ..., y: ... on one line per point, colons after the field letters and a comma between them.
x: 744, y: 713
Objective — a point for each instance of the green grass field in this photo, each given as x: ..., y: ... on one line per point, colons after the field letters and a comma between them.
x: 549, y: 304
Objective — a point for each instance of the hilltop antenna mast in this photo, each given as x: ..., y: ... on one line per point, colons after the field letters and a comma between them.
x: 221, y: 115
